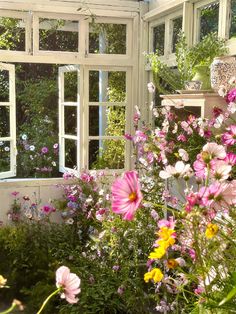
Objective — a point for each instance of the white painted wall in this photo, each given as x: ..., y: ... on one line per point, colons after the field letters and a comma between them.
x: 45, y: 190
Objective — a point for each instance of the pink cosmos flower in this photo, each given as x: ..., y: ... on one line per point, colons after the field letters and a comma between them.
x: 182, y: 138
x: 47, y: 209
x: 218, y: 195
x: 230, y: 159
x: 126, y: 195
x: 170, y: 223
x: 229, y: 138
x: 231, y: 96
x: 15, y: 193
x: 69, y: 283
x: 44, y: 150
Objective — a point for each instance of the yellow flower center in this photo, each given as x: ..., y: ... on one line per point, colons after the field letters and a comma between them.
x: 211, y: 230
x: 132, y: 196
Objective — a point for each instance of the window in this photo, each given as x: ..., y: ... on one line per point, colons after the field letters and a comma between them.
x: 176, y: 28
x: 232, y: 32
x: 159, y: 39
x: 164, y: 35
x: 7, y: 121
x: 79, y: 122
x: 107, y: 119
x: 206, y: 15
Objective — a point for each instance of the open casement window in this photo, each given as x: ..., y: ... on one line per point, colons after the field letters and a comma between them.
x: 69, y: 118
x: 108, y: 117
x: 7, y: 121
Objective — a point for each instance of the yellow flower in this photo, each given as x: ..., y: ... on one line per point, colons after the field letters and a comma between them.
x: 165, y: 233
x: 158, y: 253
x: 2, y: 281
x: 166, y: 244
x: 154, y: 274
x: 172, y: 263
x: 211, y: 230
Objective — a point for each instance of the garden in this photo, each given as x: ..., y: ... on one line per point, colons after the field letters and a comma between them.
x: 145, y: 214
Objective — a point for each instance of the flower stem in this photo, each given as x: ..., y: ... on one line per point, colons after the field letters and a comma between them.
x: 48, y: 298
x: 10, y: 309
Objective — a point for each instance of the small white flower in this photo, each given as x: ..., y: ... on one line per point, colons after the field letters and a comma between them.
x: 183, y: 154
x: 232, y: 80
x: 101, y: 192
x: 32, y: 148
x: 222, y: 91
x: 222, y: 170
x: 151, y: 87
x: 175, y: 129
x: 54, y: 163
x: 232, y: 107
x: 179, y: 104
x: 24, y: 137
x: 7, y: 149
x: 1, y: 143
x: 69, y: 221
x: 155, y: 112
x: 219, y: 120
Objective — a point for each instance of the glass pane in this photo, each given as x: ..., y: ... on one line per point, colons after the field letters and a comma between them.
x: 177, y: 27
x: 4, y: 86
x: 106, y: 154
x: 107, y: 38
x: 232, y: 32
x: 58, y: 35
x: 12, y: 33
x: 5, y: 148
x: 159, y: 39
x: 183, y: 113
x: 107, y: 86
x: 70, y: 116
x: 106, y: 120
x: 70, y: 153
x: 209, y: 19
x: 70, y: 86
x: 4, y: 121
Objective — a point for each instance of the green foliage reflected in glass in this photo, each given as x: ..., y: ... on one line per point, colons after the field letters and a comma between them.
x: 159, y: 39
x: 232, y: 32
x: 209, y: 19
x: 177, y: 28
x: 107, y: 38
x: 58, y: 35
x: 12, y: 34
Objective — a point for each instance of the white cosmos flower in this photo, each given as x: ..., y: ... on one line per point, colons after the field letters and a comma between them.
x: 179, y: 170
x: 7, y: 149
x: 24, y: 137
x: 222, y: 91
x: 222, y: 170
x: 32, y: 148
x: 183, y: 154
x: 215, y: 150
x: 219, y: 121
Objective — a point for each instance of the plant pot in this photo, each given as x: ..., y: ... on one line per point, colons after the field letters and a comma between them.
x: 222, y: 69
x: 192, y: 85
x: 202, y: 73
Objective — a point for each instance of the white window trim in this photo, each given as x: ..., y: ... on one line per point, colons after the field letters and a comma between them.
x: 19, y: 15
x: 12, y: 105
x: 197, y: 17
x: 128, y: 116
x: 168, y: 56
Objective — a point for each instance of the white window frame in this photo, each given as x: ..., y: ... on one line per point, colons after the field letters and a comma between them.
x: 197, y: 17
x: 128, y: 115
x: 62, y: 105
x: 12, y: 106
x: 129, y: 61
x: 168, y: 56
x: 19, y: 15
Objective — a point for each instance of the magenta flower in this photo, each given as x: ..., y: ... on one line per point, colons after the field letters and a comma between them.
x: 69, y: 283
x: 126, y: 195
x: 230, y: 159
x: 44, y: 150
x: 231, y: 96
x: 15, y: 193
x: 47, y: 209
x: 229, y: 138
